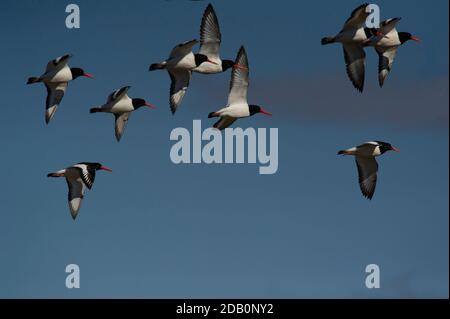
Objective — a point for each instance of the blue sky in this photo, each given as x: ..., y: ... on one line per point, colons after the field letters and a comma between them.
x: 152, y: 229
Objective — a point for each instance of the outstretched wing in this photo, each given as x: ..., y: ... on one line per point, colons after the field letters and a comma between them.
x: 121, y: 123
x: 58, y: 63
x: 179, y: 83
x: 87, y: 173
x: 182, y: 49
x: 75, y: 196
x: 367, y: 175
x: 55, y: 93
x: 210, y: 36
x: 388, y: 26
x: 239, y: 80
x: 224, y: 122
x: 117, y: 94
x: 357, y: 18
x: 354, y: 56
x: 386, y: 59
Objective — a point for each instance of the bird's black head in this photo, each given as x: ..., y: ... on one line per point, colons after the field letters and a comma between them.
x: 96, y: 166
x: 77, y: 72
x: 384, y: 147
x: 137, y: 103
x: 226, y: 64
x: 201, y: 58
x: 406, y: 36
x: 253, y: 109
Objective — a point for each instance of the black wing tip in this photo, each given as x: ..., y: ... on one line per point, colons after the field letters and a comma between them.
x: 241, y: 52
x: 358, y: 87
x: 47, y: 119
x: 364, y: 5
x: 209, y: 8
x: 367, y: 195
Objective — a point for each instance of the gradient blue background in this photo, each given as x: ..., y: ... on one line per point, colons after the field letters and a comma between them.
x: 155, y: 229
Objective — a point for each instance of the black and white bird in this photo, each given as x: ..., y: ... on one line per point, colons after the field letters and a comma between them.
x: 121, y: 105
x: 180, y: 64
x: 78, y: 177
x: 237, y: 106
x: 210, y: 40
x: 367, y: 165
x: 56, y: 77
x: 386, y: 45
x: 352, y: 36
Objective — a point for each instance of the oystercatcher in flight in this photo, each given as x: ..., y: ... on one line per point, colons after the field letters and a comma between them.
x: 210, y: 40
x: 367, y: 165
x: 352, y: 37
x: 386, y: 45
x: 180, y: 64
x: 56, y: 77
x: 121, y: 105
x: 237, y: 106
x: 78, y: 177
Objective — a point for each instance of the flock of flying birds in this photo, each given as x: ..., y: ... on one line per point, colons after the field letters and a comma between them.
x: 182, y: 62
x: 354, y: 37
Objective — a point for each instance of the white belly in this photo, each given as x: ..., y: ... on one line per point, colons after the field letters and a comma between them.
x: 185, y: 62
x: 391, y: 40
x: 124, y: 105
x: 351, y: 36
x: 63, y: 75
x: 236, y: 111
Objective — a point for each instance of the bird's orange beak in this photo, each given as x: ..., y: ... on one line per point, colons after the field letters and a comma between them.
x: 395, y: 149
x: 150, y: 105
x: 88, y: 75
x: 105, y: 168
x: 415, y: 39
x: 265, y: 112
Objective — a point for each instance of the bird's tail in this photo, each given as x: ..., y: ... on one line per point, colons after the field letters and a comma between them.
x: 213, y: 114
x: 57, y: 174
x: 33, y: 79
x: 95, y: 110
x: 157, y: 66
x: 327, y: 40
x: 346, y: 152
